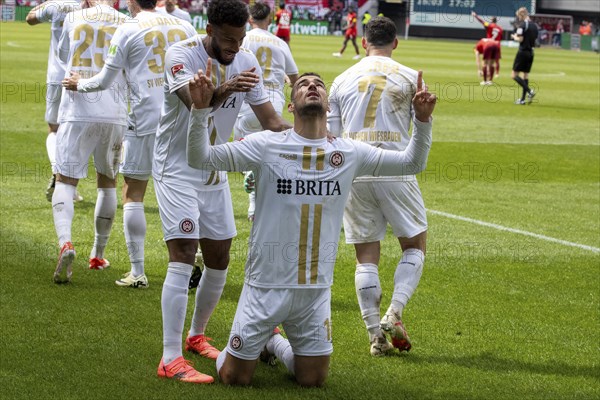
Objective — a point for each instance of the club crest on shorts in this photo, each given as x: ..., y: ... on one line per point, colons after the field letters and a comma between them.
x: 186, y: 225
x: 336, y: 159
x: 236, y: 342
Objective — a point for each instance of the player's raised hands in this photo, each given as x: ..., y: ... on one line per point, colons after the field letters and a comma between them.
x: 244, y: 82
x: 423, y: 102
x: 70, y: 83
x: 201, y: 87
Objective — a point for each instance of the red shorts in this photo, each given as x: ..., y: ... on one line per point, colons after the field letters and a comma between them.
x: 285, y: 36
x: 491, y: 52
x: 350, y: 34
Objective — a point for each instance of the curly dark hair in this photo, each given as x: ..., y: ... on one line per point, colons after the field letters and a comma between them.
x: 147, y: 4
x: 380, y: 31
x: 260, y: 11
x: 228, y: 12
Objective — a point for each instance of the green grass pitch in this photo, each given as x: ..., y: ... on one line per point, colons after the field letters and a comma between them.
x: 498, y: 314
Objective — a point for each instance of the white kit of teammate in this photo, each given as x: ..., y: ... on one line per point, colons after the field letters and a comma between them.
x: 138, y: 48
x: 89, y: 124
x: 276, y: 62
x: 372, y: 102
x: 54, y: 12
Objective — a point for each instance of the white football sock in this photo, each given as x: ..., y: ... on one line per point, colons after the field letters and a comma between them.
x: 208, y: 294
x: 63, y: 210
x: 51, y: 147
x: 221, y: 360
x: 104, y: 215
x: 251, y: 203
x: 368, y: 292
x: 282, y: 349
x: 134, y: 226
x: 174, y: 304
x: 406, y: 278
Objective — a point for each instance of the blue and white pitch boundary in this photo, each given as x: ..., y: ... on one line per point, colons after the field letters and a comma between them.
x: 517, y: 231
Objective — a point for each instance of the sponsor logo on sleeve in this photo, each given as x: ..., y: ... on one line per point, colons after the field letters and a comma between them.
x: 175, y: 69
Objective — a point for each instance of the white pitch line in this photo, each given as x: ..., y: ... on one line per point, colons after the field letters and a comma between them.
x: 13, y: 44
x: 516, y: 143
x: 512, y: 230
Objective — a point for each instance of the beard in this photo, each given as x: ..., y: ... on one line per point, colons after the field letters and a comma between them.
x: 218, y: 52
x: 311, y: 110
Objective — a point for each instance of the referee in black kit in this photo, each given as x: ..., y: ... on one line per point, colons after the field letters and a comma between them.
x: 526, y: 35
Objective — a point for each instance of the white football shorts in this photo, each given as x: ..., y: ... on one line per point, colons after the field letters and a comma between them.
x: 136, y: 160
x: 76, y: 141
x: 188, y: 213
x: 53, y: 94
x: 305, y: 315
x: 374, y: 204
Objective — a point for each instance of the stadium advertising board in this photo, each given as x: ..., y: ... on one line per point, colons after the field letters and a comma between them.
x: 457, y: 13
x: 313, y: 28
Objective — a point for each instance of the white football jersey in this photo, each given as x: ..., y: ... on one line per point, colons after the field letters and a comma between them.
x: 139, y: 47
x: 301, y: 189
x: 84, y: 44
x: 54, y: 11
x: 177, y: 12
x: 275, y: 60
x: 373, y: 98
x: 182, y: 61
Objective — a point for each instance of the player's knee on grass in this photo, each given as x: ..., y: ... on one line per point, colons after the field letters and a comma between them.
x: 311, y: 371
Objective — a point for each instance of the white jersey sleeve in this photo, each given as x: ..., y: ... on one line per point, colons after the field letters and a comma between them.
x: 179, y: 67
x: 54, y: 12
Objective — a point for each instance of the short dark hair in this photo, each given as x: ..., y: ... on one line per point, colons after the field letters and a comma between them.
x: 228, y: 12
x: 147, y: 4
x: 494, y: 20
x: 380, y: 31
x: 301, y: 76
x: 260, y: 11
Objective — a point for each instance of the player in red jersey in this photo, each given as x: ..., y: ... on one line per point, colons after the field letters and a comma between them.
x: 492, y: 31
x: 490, y: 50
x: 351, y: 34
x: 283, y: 19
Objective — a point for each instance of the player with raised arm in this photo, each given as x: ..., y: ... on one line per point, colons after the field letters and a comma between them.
x: 196, y: 208
x: 53, y: 11
x: 289, y: 272
x: 495, y: 32
x: 276, y: 62
x: 350, y: 34
x: 138, y: 48
x: 88, y: 125
x: 371, y: 102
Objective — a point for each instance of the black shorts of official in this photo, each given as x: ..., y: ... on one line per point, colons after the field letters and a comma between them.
x: 523, y: 61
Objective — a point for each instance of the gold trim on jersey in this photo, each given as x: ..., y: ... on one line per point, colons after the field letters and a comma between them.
x: 320, y: 159
x: 375, y: 136
x: 316, y: 241
x: 306, y: 157
x: 303, y: 243
x: 306, y: 220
